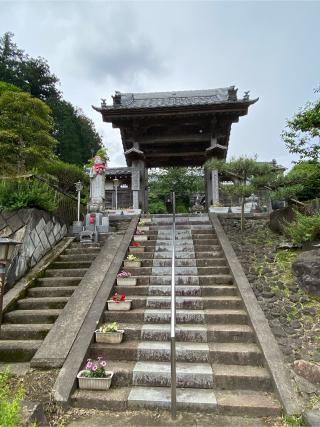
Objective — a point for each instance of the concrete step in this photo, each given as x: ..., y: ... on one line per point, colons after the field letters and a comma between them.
x: 208, y: 254
x: 132, y: 316
x: 68, y: 272
x: 160, y: 397
x: 248, y: 403
x: 32, y: 316
x: 115, y: 399
x: 206, y: 271
x: 226, y: 316
x: 41, y: 303
x: 230, y: 333
x: 182, y: 316
x: 51, y: 291
x: 71, y: 264
x: 228, y: 377
x: 206, y: 248
x: 184, y: 262
x: 158, y: 374
x: 193, y: 302
x: 78, y: 245
x: 77, y: 257
x: 58, y: 281
x: 194, y: 291
x: 81, y: 251
x: 24, y: 331
x: 18, y: 351
x: 235, y: 353
x: 185, y: 351
x: 183, y: 280
x: 187, y: 332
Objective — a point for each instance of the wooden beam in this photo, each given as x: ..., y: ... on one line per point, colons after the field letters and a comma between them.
x: 175, y: 139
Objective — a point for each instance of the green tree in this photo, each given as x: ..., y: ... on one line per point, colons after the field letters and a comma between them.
x: 25, y: 133
x: 183, y: 181
x: 247, y: 176
x: 307, y: 174
x: 302, y: 133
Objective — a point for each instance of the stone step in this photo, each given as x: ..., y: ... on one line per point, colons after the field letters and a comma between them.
x: 182, y: 316
x: 226, y: 316
x: 81, y: 251
x: 208, y: 271
x: 248, y: 403
x: 115, y: 399
x: 158, y: 374
x: 187, y: 332
x: 18, y: 350
x: 206, y: 248
x: 184, y: 262
x: 241, y: 377
x: 41, y: 303
x: 68, y: 272
x: 51, y: 291
x: 193, y: 302
x: 192, y: 400
x: 58, y: 281
x: 77, y: 257
x: 78, y: 245
x: 230, y: 333
x: 24, y: 331
x: 151, y: 351
x: 235, y: 353
x: 158, y: 290
x: 32, y: 316
x: 70, y: 264
x: 223, y: 279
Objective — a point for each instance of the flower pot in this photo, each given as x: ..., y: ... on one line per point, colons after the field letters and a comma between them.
x: 143, y: 228
x: 136, y: 249
x: 95, y: 383
x: 140, y: 238
x: 119, y: 306
x: 237, y: 209
x: 126, y: 281
x: 132, y: 264
x: 109, y: 337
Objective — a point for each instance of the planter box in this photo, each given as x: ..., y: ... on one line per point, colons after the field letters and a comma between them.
x: 109, y: 337
x: 147, y: 220
x: 126, y: 281
x: 143, y: 228
x: 136, y: 250
x: 119, y: 306
x: 237, y: 209
x: 132, y: 264
x: 218, y: 209
x: 95, y: 383
x: 140, y: 238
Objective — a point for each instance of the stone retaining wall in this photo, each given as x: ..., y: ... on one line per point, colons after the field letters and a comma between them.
x: 37, y: 230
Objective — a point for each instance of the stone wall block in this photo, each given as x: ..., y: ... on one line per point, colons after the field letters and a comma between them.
x: 48, y: 228
x: 34, y: 236
x: 56, y: 229
x: 40, y: 226
x: 15, y: 223
x: 44, y: 240
x: 6, y: 231
x: 51, y: 239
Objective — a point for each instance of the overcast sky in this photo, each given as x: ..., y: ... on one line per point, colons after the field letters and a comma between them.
x: 97, y: 47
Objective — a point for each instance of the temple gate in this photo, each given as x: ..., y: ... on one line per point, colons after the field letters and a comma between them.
x: 165, y: 129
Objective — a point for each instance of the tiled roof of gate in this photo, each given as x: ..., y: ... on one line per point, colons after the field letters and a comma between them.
x: 174, y: 99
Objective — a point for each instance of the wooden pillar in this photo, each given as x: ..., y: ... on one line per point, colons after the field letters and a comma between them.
x: 139, y: 184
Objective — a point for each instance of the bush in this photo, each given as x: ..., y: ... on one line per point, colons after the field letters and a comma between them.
x: 157, y: 207
x: 18, y: 194
x: 65, y: 175
x: 10, y: 402
x: 304, y: 228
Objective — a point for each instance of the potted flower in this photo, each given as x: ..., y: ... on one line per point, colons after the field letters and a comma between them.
x: 136, y: 247
x: 140, y: 236
x: 95, y: 376
x: 124, y: 278
x: 132, y: 262
x: 119, y: 303
x: 142, y: 226
x: 109, y: 333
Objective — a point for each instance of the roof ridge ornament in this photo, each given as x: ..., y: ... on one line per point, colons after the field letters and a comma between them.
x: 117, y: 99
x: 246, y: 95
x: 232, y: 93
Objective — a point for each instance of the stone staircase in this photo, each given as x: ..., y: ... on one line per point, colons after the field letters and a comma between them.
x: 26, y: 325
x: 219, y: 365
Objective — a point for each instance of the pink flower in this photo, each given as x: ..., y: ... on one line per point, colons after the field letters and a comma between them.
x: 103, y: 363
x: 94, y: 367
x: 89, y: 364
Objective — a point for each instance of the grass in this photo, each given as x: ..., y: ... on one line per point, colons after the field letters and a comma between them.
x: 294, y: 420
x: 10, y: 401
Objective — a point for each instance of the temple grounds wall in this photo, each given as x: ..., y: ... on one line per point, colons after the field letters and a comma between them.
x: 37, y: 230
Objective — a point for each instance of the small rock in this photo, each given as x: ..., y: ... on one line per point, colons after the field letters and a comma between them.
x: 278, y: 331
x: 296, y: 324
x: 309, y: 311
x: 308, y: 370
x: 304, y: 385
x: 288, y: 245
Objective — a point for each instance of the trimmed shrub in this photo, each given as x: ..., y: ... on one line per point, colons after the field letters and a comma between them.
x: 18, y: 194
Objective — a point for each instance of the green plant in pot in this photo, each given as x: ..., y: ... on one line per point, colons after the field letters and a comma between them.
x: 109, y: 333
